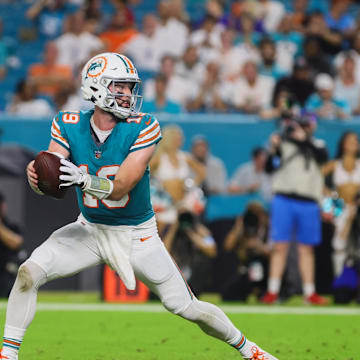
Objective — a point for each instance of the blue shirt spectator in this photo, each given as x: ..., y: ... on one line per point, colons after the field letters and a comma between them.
x: 337, y: 18
x: 168, y: 107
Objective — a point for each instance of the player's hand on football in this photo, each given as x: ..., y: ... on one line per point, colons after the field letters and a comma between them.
x: 72, y: 175
x: 33, y: 177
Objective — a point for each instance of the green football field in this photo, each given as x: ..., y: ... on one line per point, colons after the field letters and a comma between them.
x: 94, y: 331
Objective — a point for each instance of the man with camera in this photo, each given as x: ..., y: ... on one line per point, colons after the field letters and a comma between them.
x: 10, y: 243
x: 295, y: 159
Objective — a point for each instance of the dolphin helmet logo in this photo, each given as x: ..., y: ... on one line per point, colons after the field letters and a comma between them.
x: 97, y: 67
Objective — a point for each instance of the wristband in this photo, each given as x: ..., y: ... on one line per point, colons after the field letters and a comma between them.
x: 97, y: 186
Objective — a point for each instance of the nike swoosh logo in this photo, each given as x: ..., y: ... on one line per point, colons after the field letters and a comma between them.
x: 145, y: 238
x: 148, y: 122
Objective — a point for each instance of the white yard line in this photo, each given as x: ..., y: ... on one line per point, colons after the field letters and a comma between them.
x: 232, y: 309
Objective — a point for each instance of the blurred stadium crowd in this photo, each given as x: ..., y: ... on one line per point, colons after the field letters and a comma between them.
x: 296, y: 61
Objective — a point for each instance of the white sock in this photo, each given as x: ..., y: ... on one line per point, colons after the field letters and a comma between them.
x: 12, y: 341
x: 21, y: 307
x: 274, y: 285
x: 308, y: 289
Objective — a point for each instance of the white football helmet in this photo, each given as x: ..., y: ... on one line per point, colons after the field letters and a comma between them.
x: 110, y: 68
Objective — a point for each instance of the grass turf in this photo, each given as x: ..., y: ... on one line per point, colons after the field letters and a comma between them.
x: 71, y: 335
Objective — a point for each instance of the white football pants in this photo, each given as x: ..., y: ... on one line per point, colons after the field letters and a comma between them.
x: 74, y: 247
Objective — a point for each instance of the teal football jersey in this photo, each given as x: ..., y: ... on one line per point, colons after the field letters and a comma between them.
x: 72, y: 131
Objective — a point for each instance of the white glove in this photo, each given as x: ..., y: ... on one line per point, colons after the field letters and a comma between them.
x: 72, y: 174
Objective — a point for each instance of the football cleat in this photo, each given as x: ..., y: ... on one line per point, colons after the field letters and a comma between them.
x: 269, y: 298
x: 5, y: 357
x: 316, y: 299
x: 258, y: 354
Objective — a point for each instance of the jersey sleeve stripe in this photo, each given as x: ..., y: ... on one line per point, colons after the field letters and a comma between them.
x: 149, y: 127
x: 147, y: 142
x: 147, y: 132
x: 55, y: 125
x: 60, y: 139
x: 55, y: 130
x: 147, y: 137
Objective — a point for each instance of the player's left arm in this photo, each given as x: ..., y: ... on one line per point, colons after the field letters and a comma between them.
x: 131, y: 171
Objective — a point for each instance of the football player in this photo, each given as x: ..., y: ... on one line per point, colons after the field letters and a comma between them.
x: 105, y: 154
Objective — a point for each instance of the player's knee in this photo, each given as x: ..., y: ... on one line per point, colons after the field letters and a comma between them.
x: 25, y: 279
x: 174, y: 303
x: 30, y: 276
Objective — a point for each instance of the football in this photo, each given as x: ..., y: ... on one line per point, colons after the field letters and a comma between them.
x: 47, y: 166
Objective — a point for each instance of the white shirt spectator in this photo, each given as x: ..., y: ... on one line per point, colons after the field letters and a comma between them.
x: 231, y: 62
x: 260, y: 93
x: 178, y: 90
x: 198, y: 37
x: 349, y: 92
x: 145, y: 51
x: 273, y: 13
x: 32, y: 108
x: 173, y: 37
x: 74, y: 49
x: 196, y: 73
x: 339, y: 60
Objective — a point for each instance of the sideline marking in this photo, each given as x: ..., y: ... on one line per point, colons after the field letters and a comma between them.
x: 232, y: 309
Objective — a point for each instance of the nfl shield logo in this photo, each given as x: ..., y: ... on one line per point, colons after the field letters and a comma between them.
x: 97, y: 154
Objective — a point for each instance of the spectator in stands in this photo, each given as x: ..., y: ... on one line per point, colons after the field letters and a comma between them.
x: 92, y: 10
x: 212, y: 93
x: 247, y: 240
x: 315, y: 57
x: 145, y: 49
x: 249, y: 38
x: 120, y: 31
x: 271, y: 12
x: 346, y: 85
x: 329, y: 41
x: 231, y: 58
x: 298, y: 14
x: 174, y: 33
x: 269, y: 65
x: 189, y: 67
x: 207, y: 37
x: 354, y: 52
x: 26, y: 104
x: 338, y: 19
x: 179, y: 90
x: 252, y: 92
x: 251, y: 177
x: 76, y: 45
x: 324, y: 103
x: 161, y: 103
x: 234, y: 19
x: 299, y: 84
x: 49, y: 16
x: 288, y: 43
x: 295, y: 160
x: 216, y: 175
x: 345, y: 173
x: 10, y: 244
x: 49, y: 77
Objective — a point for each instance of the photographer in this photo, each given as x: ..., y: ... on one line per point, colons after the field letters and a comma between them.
x: 10, y: 243
x: 247, y: 241
x: 295, y: 160
x: 192, y: 246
